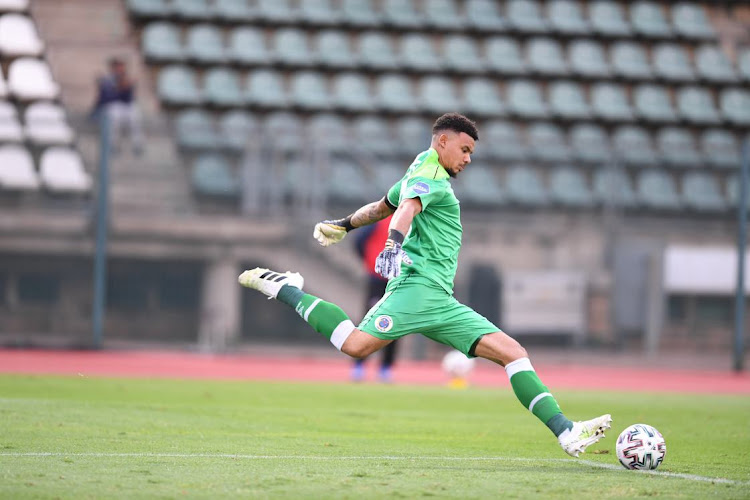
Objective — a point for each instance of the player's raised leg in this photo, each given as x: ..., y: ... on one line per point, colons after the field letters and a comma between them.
x: 574, y: 437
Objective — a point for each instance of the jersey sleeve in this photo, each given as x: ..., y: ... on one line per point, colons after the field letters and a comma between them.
x: 427, y: 190
x: 393, y: 196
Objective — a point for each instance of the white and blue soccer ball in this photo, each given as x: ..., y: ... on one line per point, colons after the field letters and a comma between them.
x: 456, y: 365
x: 641, y: 447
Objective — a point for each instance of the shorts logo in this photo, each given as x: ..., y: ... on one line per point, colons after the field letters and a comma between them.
x: 384, y: 323
x: 421, y: 188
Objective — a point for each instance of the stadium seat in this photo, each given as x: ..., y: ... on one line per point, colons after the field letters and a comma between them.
x: 690, y: 21
x: 284, y: 131
x: 290, y: 48
x: 10, y: 127
x: 524, y: 187
x: 370, y: 133
x: 31, y: 79
x: 733, y: 191
x: 587, y: 59
x: 333, y: 49
x: 590, y: 144
x: 545, y: 57
x: 3, y: 86
x: 720, y: 148
x: 565, y: 17
x: 677, y: 148
x: 629, y: 61
x: 547, y: 143
x: 195, y: 130
x: 348, y: 183
x: 150, y: 9
x: 648, y: 20
x: 612, y: 187
x: 437, y: 94
x: 329, y: 131
x: 247, y: 46
x: 351, y: 92
x: 743, y: 63
x: 386, y: 174
x: 17, y: 171
x: 607, y: 19
x: 45, y: 123
x: 204, y: 44
x: 444, y: 15
x: 671, y: 63
x: 62, y: 171
x: 176, y: 85
x: 633, y: 146
x: 14, y: 5
x: 221, y: 87
x: 566, y: 100
x: 525, y: 16
x: 700, y: 192
x: 401, y: 14
x: 376, y: 51
x: 236, y: 128
x: 653, y: 104
x: 481, y: 187
x: 483, y: 15
x: 161, y: 42
x: 265, y: 89
x: 713, y: 66
x: 525, y: 99
x: 275, y: 11
x: 360, y: 14
x: 462, y: 54
x: 233, y: 11
x: 503, y: 55
x: 393, y: 93
x: 412, y: 136
x: 609, y: 102
x: 569, y: 188
x: 192, y: 10
x: 18, y: 37
x: 309, y: 91
x: 656, y: 190
x: 735, y: 106
x: 214, y: 176
x: 502, y: 141
x: 318, y: 13
x: 481, y: 97
x: 696, y: 105
x: 418, y: 53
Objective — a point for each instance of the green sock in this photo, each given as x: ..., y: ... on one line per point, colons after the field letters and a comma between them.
x: 535, y: 397
x: 326, y: 318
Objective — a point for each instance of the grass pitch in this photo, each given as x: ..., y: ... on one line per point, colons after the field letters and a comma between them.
x: 76, y: 437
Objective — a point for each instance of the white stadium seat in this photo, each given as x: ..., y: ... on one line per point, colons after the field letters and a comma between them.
x: 10, y: 127
x: 18, y: 36
x: 17, y: 169
x: 30, y: 79
x: 62, y: 170
x: 46, y: 124
x: 14, y: 5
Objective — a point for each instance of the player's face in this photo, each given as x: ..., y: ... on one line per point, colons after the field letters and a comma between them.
x: 455, y: 150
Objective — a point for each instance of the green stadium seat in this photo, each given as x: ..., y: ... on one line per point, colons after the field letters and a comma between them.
x: 629, y: 61
x: 290, y: 48
x: 568, y: 187
x: 656, y: 190
x: 713, y: 65
x: 653, y: 104
x: 672, y: 63
x: 503, y: 55
x: 720, y: 148
x: 333, y: 50
x: 329, y: 131
x: 481, y: 97
x: 700, y: 192
x: 233, y: 11
x: 565, y: 17
x: 276, y: 11
x: 502, y: 141
x: 360, y: 14
x: 461, y: 54
x: 525, y: 16
x: 735, y: 106
x: 607, y: 19
x: 351, y: 93
x: 743, y: 63
x: 348, y: 183
x: 633, y: 146
x: 370, y: 133
x: 612, y: 187
x: 412, y: 136
x: 566, y: 101
x: 265, y: 89
x: 284, y: 131
x: 192, y: 10
x: 545, y: 57
x: 444, y: 15
x: 609, y: 102
x: 376, y: 52
x: 525, y: 99
x: 221, y: 87
x: 418, y: 53
x: 648, y: 20
x: 176, y: 85
x: 696, y: 105
x: 677, y: 148
x: 393, y: 93
x: 590, y: 144
x: 690, y: 21
x: 149, y: 9
x: 213, y: 176
x: 319, y: 13
x: 309, y: 91
x: 437, y: 94
x: 480, y: 187
x: 204, y: 44
x: 587, y: 59
x: 195, y: 130
x: 547, y: 143
x: 525, y: 187
x: 401, y: 14
x: 733, y: 192
x: 247, y: 46
x: 236, y: 128
x: 386, y: 174
x: 484, y: 16
x: 160, y: 42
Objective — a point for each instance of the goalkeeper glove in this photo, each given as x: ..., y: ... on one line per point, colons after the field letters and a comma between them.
x: 388, y: 263
x: 329, y: 232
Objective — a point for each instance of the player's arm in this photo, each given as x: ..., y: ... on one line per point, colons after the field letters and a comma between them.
x: 388, y: 263
x: 329, y: 232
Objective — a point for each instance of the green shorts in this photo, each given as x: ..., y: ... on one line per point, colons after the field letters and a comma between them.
x: 415, y: 304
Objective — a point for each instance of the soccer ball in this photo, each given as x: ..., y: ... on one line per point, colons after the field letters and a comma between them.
x: 457, y: 365
x: 641, y: 447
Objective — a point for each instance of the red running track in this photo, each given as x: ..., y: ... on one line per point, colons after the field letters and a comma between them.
x: 247, y: 367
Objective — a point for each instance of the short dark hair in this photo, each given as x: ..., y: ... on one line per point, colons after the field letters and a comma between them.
x: 457, y: 123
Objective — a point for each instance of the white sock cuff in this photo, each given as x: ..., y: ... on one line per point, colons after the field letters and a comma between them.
x: 341, y: 333
x: 519, y: 365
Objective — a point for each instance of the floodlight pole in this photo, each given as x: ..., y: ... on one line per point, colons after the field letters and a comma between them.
x: 739, y: 307
x: 102, y: 225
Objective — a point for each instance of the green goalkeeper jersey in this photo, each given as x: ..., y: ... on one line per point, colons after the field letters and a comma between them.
x: 434, y: 239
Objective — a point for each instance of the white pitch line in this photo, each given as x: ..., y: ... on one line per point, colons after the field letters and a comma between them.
x: 677, y: 475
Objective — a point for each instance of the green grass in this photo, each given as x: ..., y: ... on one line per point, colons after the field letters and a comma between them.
x: 123, y: 438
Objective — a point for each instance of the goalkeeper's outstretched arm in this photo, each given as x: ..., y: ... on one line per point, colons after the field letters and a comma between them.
x: 329, y: 232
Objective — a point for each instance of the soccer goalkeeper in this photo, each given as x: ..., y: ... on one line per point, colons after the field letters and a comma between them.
x: 420, y: 259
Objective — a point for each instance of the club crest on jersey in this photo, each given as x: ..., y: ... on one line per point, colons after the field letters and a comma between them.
x: 421, y: 188
x: 384, y: 323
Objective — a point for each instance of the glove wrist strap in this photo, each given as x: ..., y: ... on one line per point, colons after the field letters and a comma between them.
x: 396, y: 235
x: 346, y: 223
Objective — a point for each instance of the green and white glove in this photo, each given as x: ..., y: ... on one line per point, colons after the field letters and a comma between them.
x: 388, y: 263
x: 330, y: 232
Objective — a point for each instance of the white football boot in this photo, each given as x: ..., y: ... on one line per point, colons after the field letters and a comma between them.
x: 269, y: 282
x: 584, y: 434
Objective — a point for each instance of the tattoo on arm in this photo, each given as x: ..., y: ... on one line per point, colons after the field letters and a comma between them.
x: 371, y: 213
